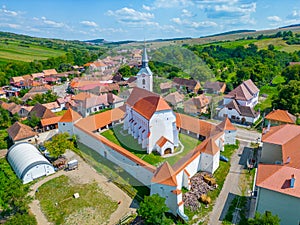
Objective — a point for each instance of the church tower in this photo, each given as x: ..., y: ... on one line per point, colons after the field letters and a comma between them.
x: 144, y: 76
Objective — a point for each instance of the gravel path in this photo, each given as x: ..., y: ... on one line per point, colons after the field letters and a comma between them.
x: 230, y: 188
x: 85, y: 174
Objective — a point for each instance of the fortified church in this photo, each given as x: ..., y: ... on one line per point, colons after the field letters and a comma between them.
x: 148, y: 117
x: 151, y: 121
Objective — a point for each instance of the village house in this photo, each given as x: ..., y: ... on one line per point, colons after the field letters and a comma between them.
x: 187, y: 85
x: 197, y: 105
x: 174, y: 99
x: 277, y: 190
x: 238, y: 105
x: 87, y: 103
x: 19, y: 132
x: 279, y: 117
x: 165, y: 87
x: 41, y: 112
x: 50, y: 72
x: 214, y: 87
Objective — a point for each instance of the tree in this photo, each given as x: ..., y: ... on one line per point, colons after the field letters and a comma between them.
x: 59, y: 144
x: 264, y: 219
x: 288, y: 97
x: 153, y: 210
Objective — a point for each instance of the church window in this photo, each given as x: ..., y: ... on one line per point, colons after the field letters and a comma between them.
x: 143, y: 82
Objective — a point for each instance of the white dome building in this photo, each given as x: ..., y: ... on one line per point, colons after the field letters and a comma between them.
x: 28, y: 163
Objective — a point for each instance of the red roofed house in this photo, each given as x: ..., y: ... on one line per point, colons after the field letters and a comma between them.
x: 238, y: 105
x: 277, y: 184
x: 278, y: 117
x: 150, y: 120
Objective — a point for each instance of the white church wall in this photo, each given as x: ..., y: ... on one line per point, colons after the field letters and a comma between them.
x: 139, y: 172
x: 161, y: 124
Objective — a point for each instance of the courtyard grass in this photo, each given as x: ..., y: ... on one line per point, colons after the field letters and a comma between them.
x: 60, y: 207
x: 114, y: 173
x: 120, y: 137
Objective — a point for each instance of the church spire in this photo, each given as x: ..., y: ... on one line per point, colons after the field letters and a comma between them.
x: 145, y: 57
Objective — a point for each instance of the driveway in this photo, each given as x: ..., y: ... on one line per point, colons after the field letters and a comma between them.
x: 230, y: 187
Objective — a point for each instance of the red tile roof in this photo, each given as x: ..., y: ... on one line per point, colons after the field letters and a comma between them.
x: 277, y: 178
x: 281, y: 116
x: 70, y: 116
x: 287, y: 136
x: 162, y: 141
x: 226, y: 125
x: 149, y: 105
x: 89, y: 124
x: 195, y: 125
x: 165, y: 175
x: 50, y: 121
x: 137, y: 94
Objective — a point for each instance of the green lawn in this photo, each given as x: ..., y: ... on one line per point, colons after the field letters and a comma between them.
x: 128, y: 142
x: 60, y: 113
x: 115, y: 173
x: 60, y: 207
x: 16, y: 51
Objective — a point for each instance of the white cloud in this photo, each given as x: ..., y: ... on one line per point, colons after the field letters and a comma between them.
x: 177, y: 20
x: 89, y: 23
x: 294, y: 15
x: 52, y: 23
x: 244, y: 8
x: 186, y: 13
x: 194, y: 24
x: 172, y: 3
x: 129, y: 15
x: 274, y: 18
x: 7, y: 12
x: 148, y: 8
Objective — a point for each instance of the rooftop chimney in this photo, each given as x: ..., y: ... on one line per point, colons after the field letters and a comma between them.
x: 292, y: 183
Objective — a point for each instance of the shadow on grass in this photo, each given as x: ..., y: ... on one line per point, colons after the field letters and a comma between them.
x: 115, y: 174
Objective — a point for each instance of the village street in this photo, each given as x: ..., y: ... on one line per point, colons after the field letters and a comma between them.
x: 230, y: 187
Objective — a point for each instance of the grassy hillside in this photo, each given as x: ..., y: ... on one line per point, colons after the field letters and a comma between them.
x: 17, y: 51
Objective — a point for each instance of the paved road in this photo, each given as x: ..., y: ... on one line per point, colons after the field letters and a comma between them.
x: 230, y: 187
x: 60, y: 90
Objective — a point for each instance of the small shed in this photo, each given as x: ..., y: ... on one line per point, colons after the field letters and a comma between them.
x: 28, y: 163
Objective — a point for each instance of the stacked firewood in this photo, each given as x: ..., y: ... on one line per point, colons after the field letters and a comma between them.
x: 199, y: 186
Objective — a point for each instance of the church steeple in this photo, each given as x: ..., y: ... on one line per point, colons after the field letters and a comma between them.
x: 144, y: 76
x: 145, y: 58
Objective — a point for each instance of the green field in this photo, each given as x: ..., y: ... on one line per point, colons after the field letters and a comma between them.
x: 16, y: 51
x: 59, y: 205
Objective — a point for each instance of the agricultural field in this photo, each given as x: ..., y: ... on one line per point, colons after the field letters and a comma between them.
x: 16, y: 51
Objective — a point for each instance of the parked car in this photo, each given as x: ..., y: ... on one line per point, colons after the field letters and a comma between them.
x: 223, y: 158
x: 42, y: 148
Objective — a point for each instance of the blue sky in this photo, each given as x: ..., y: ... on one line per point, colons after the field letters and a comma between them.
x: 138, y: 20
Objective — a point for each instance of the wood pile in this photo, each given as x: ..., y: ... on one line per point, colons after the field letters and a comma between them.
x: 198, y: 188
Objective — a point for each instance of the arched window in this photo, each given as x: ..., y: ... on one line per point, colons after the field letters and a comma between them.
x: 143, y: 81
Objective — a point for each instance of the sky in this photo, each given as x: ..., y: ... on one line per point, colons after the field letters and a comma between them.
x: 117, y: 20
